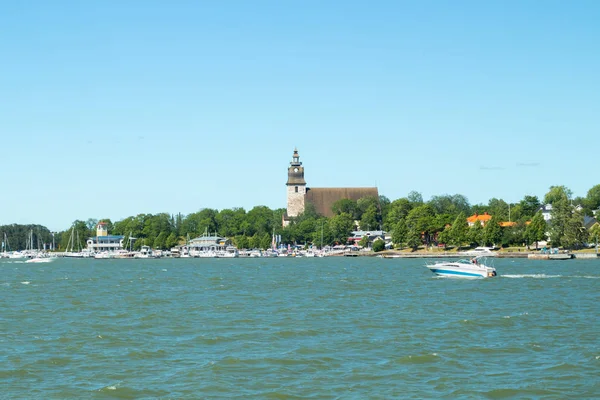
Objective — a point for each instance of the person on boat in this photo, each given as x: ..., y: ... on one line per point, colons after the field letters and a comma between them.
x: 474, y: 260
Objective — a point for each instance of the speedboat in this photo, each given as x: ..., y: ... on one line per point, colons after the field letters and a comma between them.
x: 474, y: 268
x: 40, y: 260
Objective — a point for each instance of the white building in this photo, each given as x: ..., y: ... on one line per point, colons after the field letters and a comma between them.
x: 103, y: 241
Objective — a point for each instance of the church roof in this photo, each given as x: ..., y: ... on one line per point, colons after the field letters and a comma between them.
x: 323, y: 198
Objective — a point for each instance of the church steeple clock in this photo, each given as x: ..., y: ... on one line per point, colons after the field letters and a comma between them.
x: 296, y: 187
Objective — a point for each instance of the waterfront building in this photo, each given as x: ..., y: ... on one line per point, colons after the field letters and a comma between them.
x: 482, y: 219
x: 103, y: 241
x: 357, y: 236
x: 299, y: 195
x: 210, y: 246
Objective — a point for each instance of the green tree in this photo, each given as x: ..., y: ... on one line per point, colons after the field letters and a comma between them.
x: 594, y: 234
x: 513, y: 235
x: 450, y: 204
x: 345, y: 206
x: 498, y: 208
x: 161, y: 241
x: 414, y: 238
x: 370, y: 218
x: 178, y: 226
x: 241, y: 242
x: 384, y: 206
x: 561, y: 213
x: 197, y: 223
x: 340, y: 227
x: 171, y: 241
x: 398, y: 210
x: 492, y: 232
x: 459, y: 230
x: 265, y: 241
x: 322, y: 235
x: 445, y: 236
x: 592, y: 199
x: 230, y: 221
x: 400, y: 233
x: 415, y: 198
x: 304, y: 231
x: 575, y: 234
x: 556, y: 194
x: 536, y: 230
x: 254, y: 241
x: 475, y: 234
x: 369, y: 205
x: 440, y: 222
x: 420, y: 224
x: 378, y: 245
x: 529, y: 206
x: 20, y: 237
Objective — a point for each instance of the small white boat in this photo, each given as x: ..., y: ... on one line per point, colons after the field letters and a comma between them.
x: 474, y: 268
x: 480, y: 251
x: 40, y: 260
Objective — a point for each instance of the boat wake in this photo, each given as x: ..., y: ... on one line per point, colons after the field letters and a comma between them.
x: 544, y: 276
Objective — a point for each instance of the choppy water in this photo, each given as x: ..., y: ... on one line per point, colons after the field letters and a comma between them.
x: 330, y: 328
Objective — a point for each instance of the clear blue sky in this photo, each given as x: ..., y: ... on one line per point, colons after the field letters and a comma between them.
x: 113, y: 108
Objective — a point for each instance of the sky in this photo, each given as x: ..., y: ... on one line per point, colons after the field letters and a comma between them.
x: 114, y: 108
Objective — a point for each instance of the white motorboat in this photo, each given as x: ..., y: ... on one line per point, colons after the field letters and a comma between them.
x: 145, y: 252
x: 479, y: 251
x: 40, y: 260
x: 474, y: 268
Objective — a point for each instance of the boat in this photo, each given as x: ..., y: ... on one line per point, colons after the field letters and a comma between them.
x: 479, y: 251
x: 42, y: 259
x: 73, y: 248
x: 464, y: 268
x: 145, y: 252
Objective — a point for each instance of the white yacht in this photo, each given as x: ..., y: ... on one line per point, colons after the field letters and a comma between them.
x: 145, y: 252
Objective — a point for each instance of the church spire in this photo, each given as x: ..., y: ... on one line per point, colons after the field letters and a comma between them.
x: 296, y: 171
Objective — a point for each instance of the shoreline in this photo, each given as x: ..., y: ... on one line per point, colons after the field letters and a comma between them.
x: 512, y: 254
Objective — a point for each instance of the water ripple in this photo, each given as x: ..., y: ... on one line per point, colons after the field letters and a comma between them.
x: 297, y: 328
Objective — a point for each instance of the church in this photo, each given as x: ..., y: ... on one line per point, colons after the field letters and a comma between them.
x: 298, y: 194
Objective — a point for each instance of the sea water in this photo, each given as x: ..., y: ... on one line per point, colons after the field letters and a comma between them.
x: 321, y: 328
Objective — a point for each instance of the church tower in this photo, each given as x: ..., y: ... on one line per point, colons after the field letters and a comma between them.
x: 296, y: 187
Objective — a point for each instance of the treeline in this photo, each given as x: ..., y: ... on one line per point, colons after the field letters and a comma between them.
x: 20, y: 237
x: 411, y: 221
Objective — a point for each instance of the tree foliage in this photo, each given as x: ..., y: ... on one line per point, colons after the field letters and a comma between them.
x: 536, y: 230
x: 378, y: 245
x: 492, y: 232
x: 450, y: 204
x: 459, y: 231
x: 557, y: 194
x: 575, y: 234
x: 400, y: 233
x: 475, y: 234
